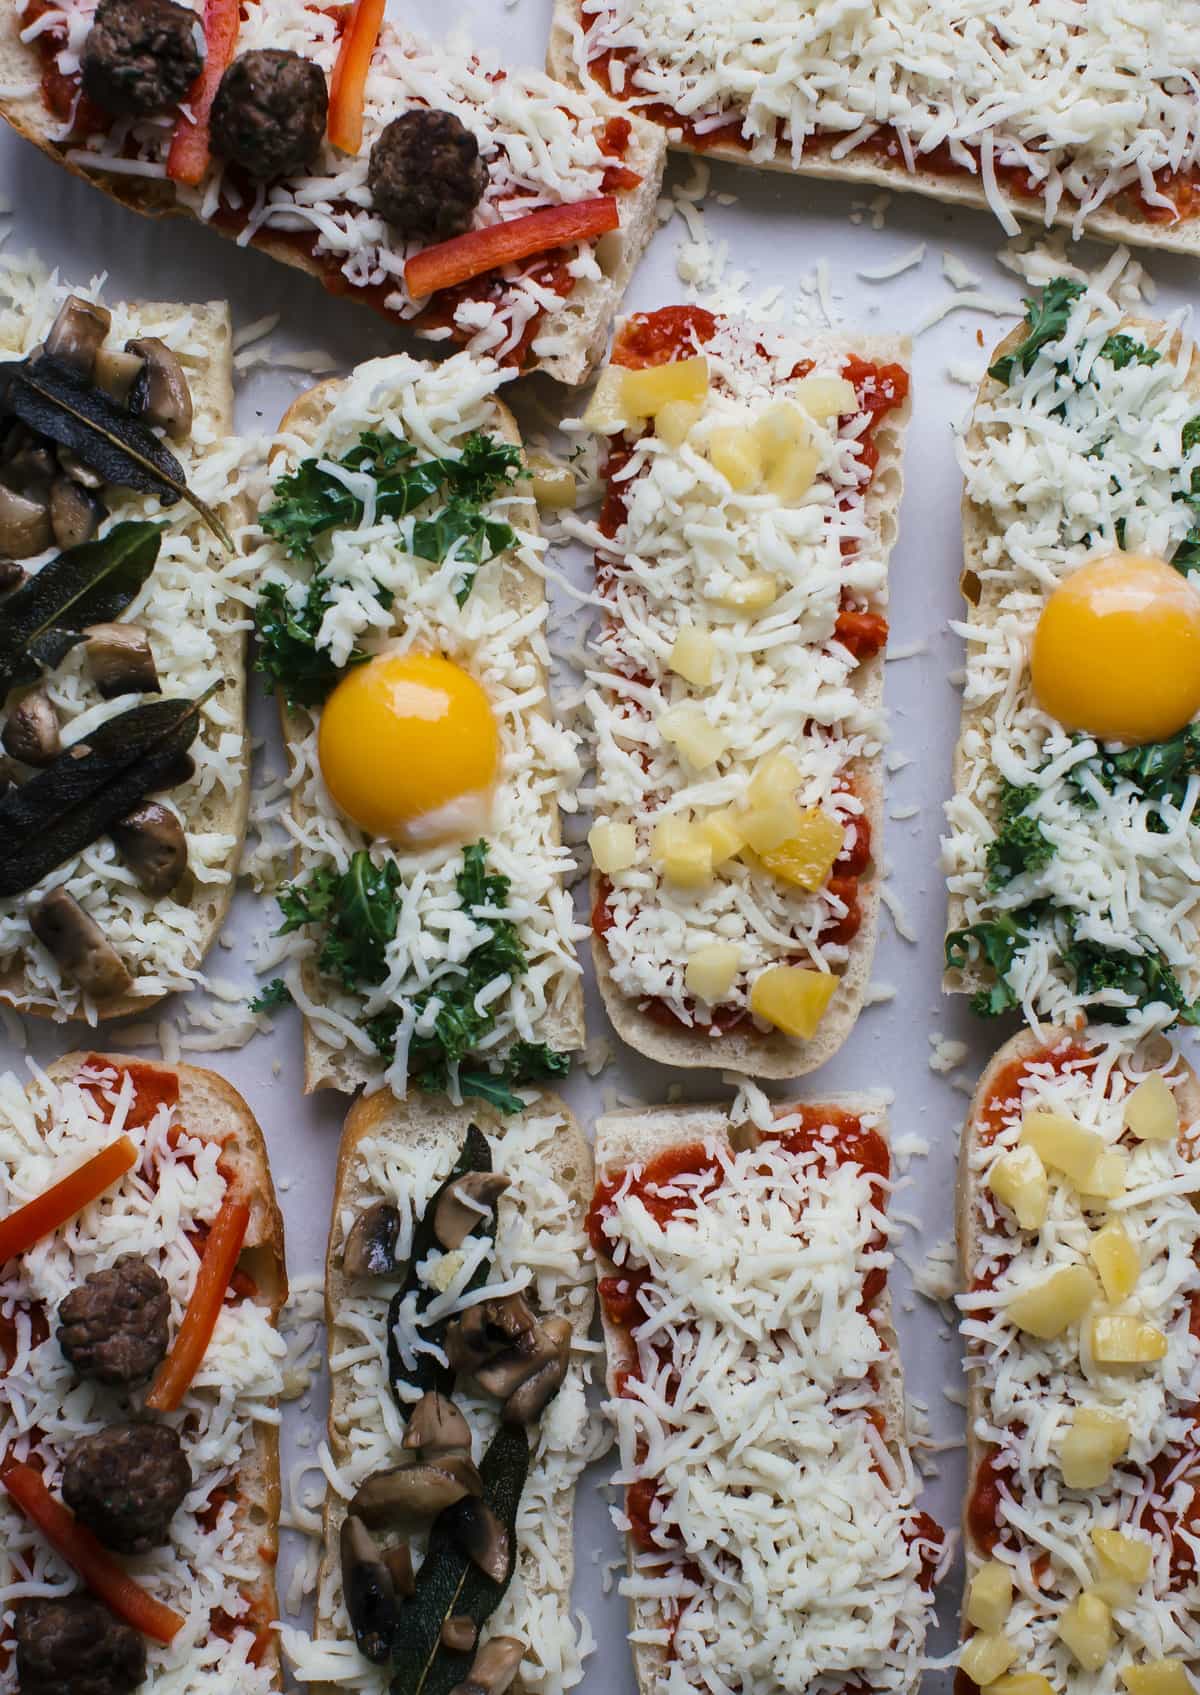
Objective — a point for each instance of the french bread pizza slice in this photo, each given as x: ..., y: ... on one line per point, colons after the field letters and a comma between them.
x: 752, y: 485
x: 774, y: 1539
x: 495, y: 208
x: 141, y: 1277
x: 459, y: 1295
x: 1079, y: 1240
x: 123, y: 746
x: 402, y: 615
x: 1091, y: 125
x: 1073, y: 854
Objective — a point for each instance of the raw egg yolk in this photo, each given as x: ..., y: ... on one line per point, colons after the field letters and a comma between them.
x: 409, y: 749
x: 1116, y: 652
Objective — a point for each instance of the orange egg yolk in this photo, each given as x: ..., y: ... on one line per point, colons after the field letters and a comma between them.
x: 409, y: 749
x: 1116, y: 652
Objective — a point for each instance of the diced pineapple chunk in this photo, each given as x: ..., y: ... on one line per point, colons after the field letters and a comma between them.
x: 673, y: 423
x: 1120, y: 1339
x: 1021, y: 1683
x: 989, y: 1597
x: 1157, y: 1677
x: 806, y: 858
x: 772, y: 823
x: 1152, y: 1114
x: 1018, y: 1179
x: 692, y: 654
x: 605, y: 413
x: 1047, y: 1308
x: 1115, y: 1256
x: 781, y: 428
x: 1107, y: 1178
x: 644, y: 393
x: 826, y: 397
x: 1122, y: 1556
x: 1095, y: 1441
x: 614, y: 846
x: 1062, y: 1143
x: 734, y: 451
x: 792, y: 474
x: 723, y: 832
x: 792, y: 999
x: 777, y: 777
x: 682, y: 853
x: 985, y: 1656
x: 752, y: 593
x: 711, y: 970
x: 551, y: 485
x: 687, y: 728
x: 1087, y: 1629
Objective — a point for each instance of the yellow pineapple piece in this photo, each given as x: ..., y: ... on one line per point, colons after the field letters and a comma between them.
x: 1107, y: 1178
x: 826, y: 397
x: 733, y: 450
x: 1062, y: 1143
x: 1021, y: 1683
x: 752, y: 593
x: 986, y: 1656
x: 792, y: 998
x: 614, y: 846
x: 692, y: 656
x: 687, y: 728
x: 1115, y: 1256
x: 722, y: 830
x: 1049, y: 1307
x: 644, y: 393
x: 1095, y: 1441
x: 1152, y: 1112
x: 711, y: 971
x: 1120, y: 1339
x: 605, y: 413
x: 1157, y: 1677
x: 681, y: 853
x: 1087, y: 1629
x: 989, y: 1597
x: 1121, y: 1556
x: 552, y: 486
x: 1018, y: 1179
x: 674, y: 422
x: 806, y: 858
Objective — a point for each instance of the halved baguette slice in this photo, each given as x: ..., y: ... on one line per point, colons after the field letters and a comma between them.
x: 530, y: 115
x: 728, y: 1273
x: 761, y: 689
x: 1027, y: 1390
x: 509, y: 594
x: 197, y: 633
x: 224, y: 1545
x: 875, y: 170
x: 400, y: 1153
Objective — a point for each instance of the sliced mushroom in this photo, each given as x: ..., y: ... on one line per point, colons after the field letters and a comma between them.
x: 77, y: 333
x: 75, y: 513
x: 80, y: 946
x: 152, y: 842
x: 370, y: 1249
x: 530, y: 1398
x: 12, y: 575
x: 482, y: 1537
x: 464, y: 1204
x: 486, y: 1329
x: 398, y: 1560
x: 409, y: 1495
x: 116, y: 372
x: 31, y: 734
x: 29, y: 465
x: 368, y: 1590
x: 121, y: 660
x: 160, y: 393
x: 436, y: 1427
x: 459, y: 1633
x: 24, y: 524
x: 493, y: 1668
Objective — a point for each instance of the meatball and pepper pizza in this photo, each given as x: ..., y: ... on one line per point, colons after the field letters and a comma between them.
x: 496, y: 209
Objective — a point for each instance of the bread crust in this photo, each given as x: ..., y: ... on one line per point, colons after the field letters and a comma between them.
x: 772, y: 1054
x: 212, y: 400
x: 331, y: 1068
x: 963, y: 190
x: 438, y: 1125
x: 589, y: 310
x: 978, y: 532
x: 207, y: 1100
x: 628, y: 1138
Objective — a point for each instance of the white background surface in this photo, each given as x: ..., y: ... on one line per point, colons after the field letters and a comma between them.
x: 779, y: 230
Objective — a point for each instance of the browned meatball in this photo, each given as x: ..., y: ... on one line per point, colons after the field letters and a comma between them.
x: 114, y: 1328
x: 141, y: 56
x: 425, y: 174
x: 74, y: 1646
x: 126, y: 1483
x: 269, y: 113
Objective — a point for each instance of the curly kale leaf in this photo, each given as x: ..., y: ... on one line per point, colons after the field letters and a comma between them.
x: 1146, y: 977
x: 1021, y: 844
x: 287, y: 643
x: 357, y: 909
x: 1046, y: 319
x: 1125, y: 350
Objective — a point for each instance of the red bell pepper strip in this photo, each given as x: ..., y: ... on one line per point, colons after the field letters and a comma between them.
x: 107, y: 1580
x: 217, y: 1265
x: 188, y: 159
x: 466, y: 256
x: 42, y: 1215
x: 349, y: 80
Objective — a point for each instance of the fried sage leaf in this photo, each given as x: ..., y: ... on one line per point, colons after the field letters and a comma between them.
x: 92, y: 584
x: 90, y: 786
x: 450, y: 1583
x: 47, y: 396
x: 426, y: 1374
